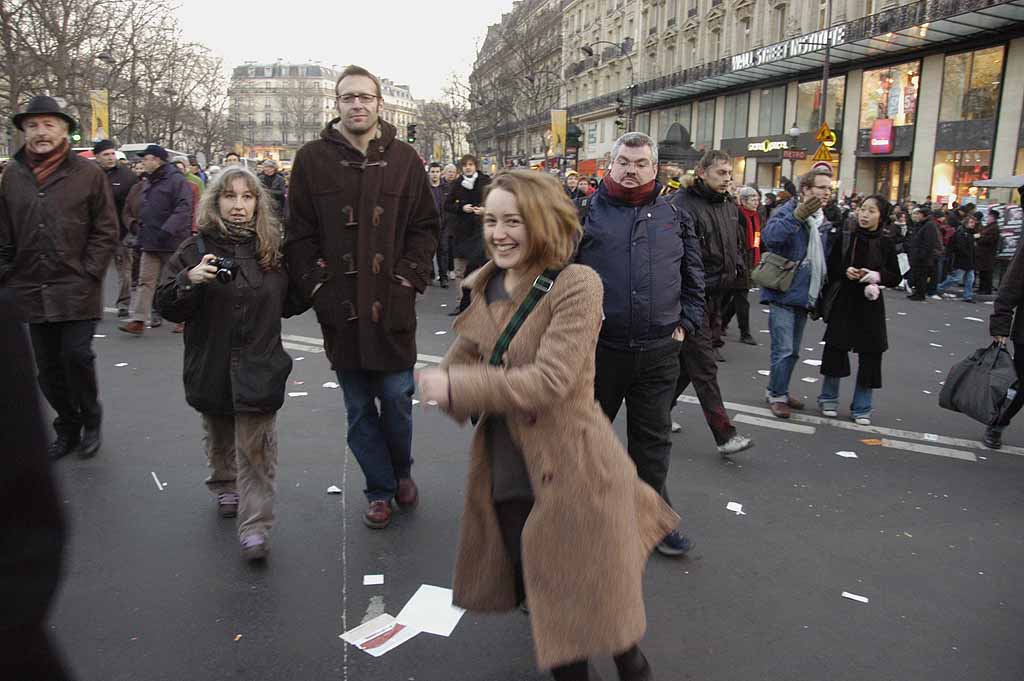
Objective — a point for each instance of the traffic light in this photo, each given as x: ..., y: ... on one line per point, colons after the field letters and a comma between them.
x: 620, y: 113
x: 410, y: 133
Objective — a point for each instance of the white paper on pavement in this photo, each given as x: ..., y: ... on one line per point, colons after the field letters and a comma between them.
x: 430, y: 610
x: 373, y: 580
x: 334, y: 489
x: 735, y: 507
x: 380, y: 635
x: 847, y: 455
x: 813, y: 362
x: 855, y: 597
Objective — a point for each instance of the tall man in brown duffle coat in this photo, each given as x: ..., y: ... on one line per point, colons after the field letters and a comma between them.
x: 362, y: 233
x: 58, y: 231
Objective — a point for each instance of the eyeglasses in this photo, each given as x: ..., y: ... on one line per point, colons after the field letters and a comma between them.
x: 642, y: 164
x: 350, y: 98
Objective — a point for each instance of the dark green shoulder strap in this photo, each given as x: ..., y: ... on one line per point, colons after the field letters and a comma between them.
x: 540, y: 288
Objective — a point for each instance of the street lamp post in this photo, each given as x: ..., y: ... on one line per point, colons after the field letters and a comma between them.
x: 107, y: 58
x: 824, y: 67
x: 589, y: 51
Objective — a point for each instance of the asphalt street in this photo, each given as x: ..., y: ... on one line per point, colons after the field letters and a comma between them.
x: 924, y: 523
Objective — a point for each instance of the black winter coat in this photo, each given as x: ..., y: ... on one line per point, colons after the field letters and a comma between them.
x: 234, y: 360
x: 56, y: 239
x: 276, y: 187
x: 923, y: 244
x: 856, y: 323
x: 987, y: 245
x: 961, y: 249
x: 121, y: 182
x: 1007, y: 318
x: 165, y: 218
x: 466, y: 228
x: 716, y: 219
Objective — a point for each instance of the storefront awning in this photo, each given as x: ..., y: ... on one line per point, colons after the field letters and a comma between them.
x: 893, y: 31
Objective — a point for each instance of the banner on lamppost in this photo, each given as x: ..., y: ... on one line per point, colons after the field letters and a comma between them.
x: 559, y: 121
x: 99, y: 120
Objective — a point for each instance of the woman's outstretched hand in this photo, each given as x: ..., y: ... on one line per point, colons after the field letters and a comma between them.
x: 434, y: 387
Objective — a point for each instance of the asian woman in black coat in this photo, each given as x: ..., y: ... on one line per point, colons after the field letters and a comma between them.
x: 860, y: 261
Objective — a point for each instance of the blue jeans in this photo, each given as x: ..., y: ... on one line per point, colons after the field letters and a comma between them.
x: 786, y: 325
x: 965, y: 277
x: 829, y: 397
x: 381, y: 442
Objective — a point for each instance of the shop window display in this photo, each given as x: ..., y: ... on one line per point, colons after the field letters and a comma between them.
x: 956, y: 171
x: 971, y: 85
x: 890, y: 93
x: 808, y: 104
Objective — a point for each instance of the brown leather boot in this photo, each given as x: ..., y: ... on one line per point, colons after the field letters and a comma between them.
x: 408, y: 494
x: 780, y: 410
x: 378, y: 515
x: 796, y: 404
x: 134, y: 328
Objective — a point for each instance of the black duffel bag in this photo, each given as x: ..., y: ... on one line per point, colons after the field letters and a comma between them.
x: 981, y: 386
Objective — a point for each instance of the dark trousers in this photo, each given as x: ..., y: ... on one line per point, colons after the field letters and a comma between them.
x: 697, y: 365
x: 714, y: 301
x: 919, y: 277
x: 512, y: 517
x: 985, y: 282
x: 1018, y: 401
x: 735, y: 303
x: 441, y: 256
x: 67, y: 373
x: 646, y: 380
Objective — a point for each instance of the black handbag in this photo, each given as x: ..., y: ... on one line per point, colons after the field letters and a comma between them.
x: 981, y: 386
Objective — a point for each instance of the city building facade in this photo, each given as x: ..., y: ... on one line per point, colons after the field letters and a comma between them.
x: 917, y: 93
x: 400, y: 109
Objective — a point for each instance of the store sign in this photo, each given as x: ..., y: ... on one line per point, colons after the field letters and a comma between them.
x: 795, y: 154
x: 812, y: 42
x: 881, y: 136
x: 767, y: 146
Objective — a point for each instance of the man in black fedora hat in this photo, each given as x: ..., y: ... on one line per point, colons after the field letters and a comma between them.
x: 58, y: 231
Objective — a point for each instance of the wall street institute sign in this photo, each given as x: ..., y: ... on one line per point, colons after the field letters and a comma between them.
x: 812, y: 42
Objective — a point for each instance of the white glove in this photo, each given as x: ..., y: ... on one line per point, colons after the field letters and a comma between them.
x: 871, y: 291
x: 871, y: 277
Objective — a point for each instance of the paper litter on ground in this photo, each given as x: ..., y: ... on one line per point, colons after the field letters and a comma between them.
x: 238, y: 637
x: 935, y: 345
x: 735, y: 507
x: 902, y: 314
x: 847, y: 455
x: 764, y: 372
x: 813, y: 362
x: 872, y: 442
x: 440, y: 333
x: 415, y: 402
x: 298, y: 382
x: 331, y: 385
x: 121, y: 364
x: 764, y: 331
x: 99, y: 335
x: 297, y: 394
x: 974, y: 319
x: 334, y: 489
x: 808, y: 379
x: 430, y: 610
x: 373, y: 580
x: 855, y: 597
x: 380, y: 635
x: 299, y: 359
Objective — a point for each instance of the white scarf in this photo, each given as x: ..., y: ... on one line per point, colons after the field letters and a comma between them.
x: 816, y: 254
x: 468, y: 181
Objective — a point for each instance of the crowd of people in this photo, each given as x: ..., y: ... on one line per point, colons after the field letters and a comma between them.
x: 640, y: 277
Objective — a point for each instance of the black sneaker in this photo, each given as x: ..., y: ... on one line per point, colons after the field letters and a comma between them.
x: 62, y: 446
x: 993, y: 439
x: 675, y: 544
x: 91, y: 440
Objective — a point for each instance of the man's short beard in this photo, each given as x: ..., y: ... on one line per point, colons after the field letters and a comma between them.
x: 370, y: 124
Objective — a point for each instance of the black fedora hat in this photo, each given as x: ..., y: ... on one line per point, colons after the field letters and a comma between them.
x: 43, y: 105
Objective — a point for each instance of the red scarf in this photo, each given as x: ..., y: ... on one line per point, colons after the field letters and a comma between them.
x: 44, y: 165
x: 752, y: 219
x: 631, y: 196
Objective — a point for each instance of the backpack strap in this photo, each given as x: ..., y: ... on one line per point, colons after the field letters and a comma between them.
x: 200, y: 245
x: 541, y: 286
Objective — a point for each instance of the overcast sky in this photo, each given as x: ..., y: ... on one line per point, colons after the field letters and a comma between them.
x: 412, y: 42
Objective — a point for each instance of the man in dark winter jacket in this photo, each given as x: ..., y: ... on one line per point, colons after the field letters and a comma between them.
x: 1007, y: 323
x: 923, y: 246
x: 716, y: 222
x: 58, y: 231
x: 987, y: 242
x: 122, y: 179
x: 648, y: 258
x: 361, y: 234
x: 165, y: 221
x: 437, y: 192
x: 961, y: 260
x: 273, y: 182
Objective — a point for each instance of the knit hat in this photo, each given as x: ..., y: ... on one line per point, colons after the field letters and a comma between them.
x: 155, y: 150
x: 101, y: 146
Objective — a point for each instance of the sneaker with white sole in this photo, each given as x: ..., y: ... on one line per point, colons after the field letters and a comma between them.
x: 829, y: 413
x: 737, y: 443
x: 936, y: 297
x: 862, y: 420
